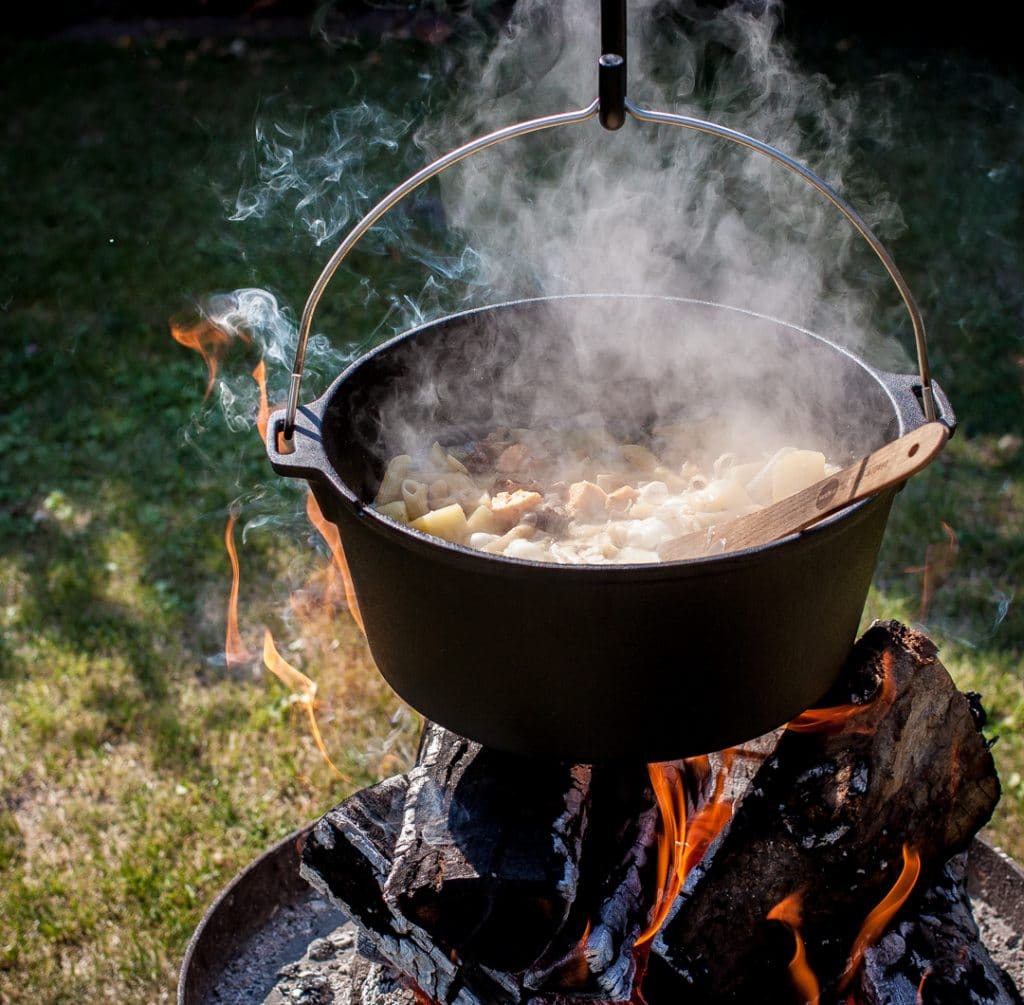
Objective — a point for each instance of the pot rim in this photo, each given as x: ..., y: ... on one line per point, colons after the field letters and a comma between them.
x: 309, y: 443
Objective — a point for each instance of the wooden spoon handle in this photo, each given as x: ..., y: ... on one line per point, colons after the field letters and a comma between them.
x: 887, y: 466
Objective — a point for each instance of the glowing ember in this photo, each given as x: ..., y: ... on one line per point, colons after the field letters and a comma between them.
x: 304, y: 690
x: 850, y: 718
x: 876, y: 922
x: 207, y: 339
x: 234, y: 649
x: 789, y: 911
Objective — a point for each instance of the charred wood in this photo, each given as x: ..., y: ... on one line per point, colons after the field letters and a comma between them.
x: 489, y: 846
x: 827, y: 816
x: 515, y: 879
x: 347, y: 856
x: 933, y: 954
x: 613, y: 899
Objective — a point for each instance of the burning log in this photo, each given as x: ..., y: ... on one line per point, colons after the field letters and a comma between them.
x: 613, y: 897
x: 519, y: 879
x: 899, y: 764
x: 934, y: 954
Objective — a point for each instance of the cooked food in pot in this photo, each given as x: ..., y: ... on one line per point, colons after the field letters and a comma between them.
x: 576, y: 495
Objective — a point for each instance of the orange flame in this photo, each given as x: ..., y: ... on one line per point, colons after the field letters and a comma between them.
x: 304, y: 690
x: 263, y: 415
x: 920, y: 985
x: 850, y: 718
x: 207, y: 339
x: 789, y: 911
x: 668, y: 792
x: 939, y: 560
x: 882, y: 914
x: 339, y: 567
x: 575, y: 969
x: 234, y: 649
x: 682, y: 844
x: 708, y: 821
x: 572, y: 970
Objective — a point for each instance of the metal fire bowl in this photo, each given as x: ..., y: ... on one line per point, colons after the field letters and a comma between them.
x: 268, y: 915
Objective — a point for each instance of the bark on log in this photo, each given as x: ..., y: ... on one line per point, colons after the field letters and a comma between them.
x: 827, y: 815
x: 933, y: 954
x: 487, y: 860
x: 466, y: 872
x: 347, y: 856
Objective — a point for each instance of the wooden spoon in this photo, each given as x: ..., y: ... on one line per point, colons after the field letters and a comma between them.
x: 879, y: 470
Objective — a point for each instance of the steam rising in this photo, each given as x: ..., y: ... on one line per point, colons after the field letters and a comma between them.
x: 655, y: 210
x: 658, y: 209
x: 646, y: 210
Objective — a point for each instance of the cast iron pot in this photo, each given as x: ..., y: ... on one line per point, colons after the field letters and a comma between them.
x: 589, y: 663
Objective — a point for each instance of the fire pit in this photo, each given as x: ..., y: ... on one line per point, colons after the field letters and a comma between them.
x: 481, y: 877
x: 259, y: 941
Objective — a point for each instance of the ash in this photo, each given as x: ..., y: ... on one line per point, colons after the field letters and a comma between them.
x: 1001, y: 937
x: 306, y: 954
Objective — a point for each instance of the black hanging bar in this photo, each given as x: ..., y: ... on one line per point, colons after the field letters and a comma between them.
x: 611, y: 72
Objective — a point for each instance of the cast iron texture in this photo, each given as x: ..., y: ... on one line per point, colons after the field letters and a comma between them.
x: 591, y: 663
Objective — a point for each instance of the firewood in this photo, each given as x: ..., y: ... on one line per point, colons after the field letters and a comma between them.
x: 933, y: 954
x: 613, y: 894
x: 827, y: 816
x: 487, y: 860
x: 347, y: 855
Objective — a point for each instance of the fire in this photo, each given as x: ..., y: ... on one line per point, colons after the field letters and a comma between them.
x: 207, y: 339
x: 263, y: 415
x: 681, y: 843
x: 668, y: 791
x: 708, y: 821
x: 789, y: 911
x: 304, y: 690
x: 920, y: 985
x: 234, y: 649
x: 876, y: 922
x: 339, y: 566
x: 939, y: 559
x: 850, y: 718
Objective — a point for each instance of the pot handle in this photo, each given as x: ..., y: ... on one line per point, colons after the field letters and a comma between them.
x: 609, y: 72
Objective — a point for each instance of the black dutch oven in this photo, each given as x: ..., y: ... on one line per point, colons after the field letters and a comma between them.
x: 588, y: 663
x: 595, y: 662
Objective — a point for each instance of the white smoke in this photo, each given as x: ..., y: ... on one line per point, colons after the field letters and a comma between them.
x: 657, y: 209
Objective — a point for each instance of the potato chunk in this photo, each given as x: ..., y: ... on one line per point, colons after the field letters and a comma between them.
x: 448, y: 523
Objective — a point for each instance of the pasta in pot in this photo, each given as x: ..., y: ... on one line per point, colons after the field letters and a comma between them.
x: 576, y: 496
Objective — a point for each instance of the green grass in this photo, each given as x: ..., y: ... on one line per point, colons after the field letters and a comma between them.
x: 138, y: 774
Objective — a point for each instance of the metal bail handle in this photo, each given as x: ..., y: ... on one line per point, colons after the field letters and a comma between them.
x: 611, y: 106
